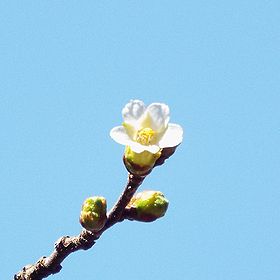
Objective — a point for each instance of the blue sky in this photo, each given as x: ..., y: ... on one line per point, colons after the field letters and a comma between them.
x: 67, y: 69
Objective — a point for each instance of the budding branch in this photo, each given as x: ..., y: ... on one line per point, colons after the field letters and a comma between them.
x: 66, y: 245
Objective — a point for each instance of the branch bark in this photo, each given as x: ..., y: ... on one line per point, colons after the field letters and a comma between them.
x: 66, y: 245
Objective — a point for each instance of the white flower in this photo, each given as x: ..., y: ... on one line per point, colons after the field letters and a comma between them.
x: 147, y: 129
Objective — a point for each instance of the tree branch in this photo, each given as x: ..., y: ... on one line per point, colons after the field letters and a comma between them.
x: 66, y: 245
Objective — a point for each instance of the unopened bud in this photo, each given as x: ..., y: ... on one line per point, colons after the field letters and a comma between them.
x: 139, y: 163
x: 93, y: 215
x: 147, y: 206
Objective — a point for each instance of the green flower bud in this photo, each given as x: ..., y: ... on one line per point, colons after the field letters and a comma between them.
x: 139, y: 163
x: 147, y: 206
x: 93, y: 215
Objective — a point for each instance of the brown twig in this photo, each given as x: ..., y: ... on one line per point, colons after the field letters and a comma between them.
x: 66, y: 245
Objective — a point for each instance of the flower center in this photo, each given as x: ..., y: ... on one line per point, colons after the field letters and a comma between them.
x: 145, y: 136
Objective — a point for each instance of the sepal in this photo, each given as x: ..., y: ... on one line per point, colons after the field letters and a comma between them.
x: 139, y: 163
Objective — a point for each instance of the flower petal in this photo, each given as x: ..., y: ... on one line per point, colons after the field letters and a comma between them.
x: 130, y: 130
x: 138, y: 148
x: 133, y: 111
x: 172, y: 137
x: 159, y: 116
x: 119, y: 134
x: 152, y: 149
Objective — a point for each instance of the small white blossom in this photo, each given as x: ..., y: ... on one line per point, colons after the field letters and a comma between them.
x: 147, y: 128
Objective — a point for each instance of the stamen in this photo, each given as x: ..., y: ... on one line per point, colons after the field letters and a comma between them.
x: 145, y: 136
